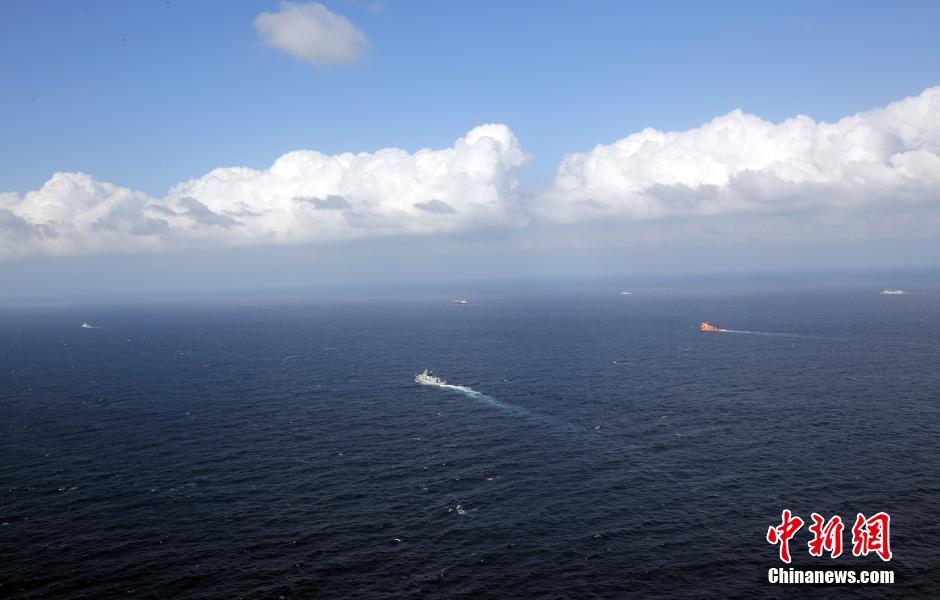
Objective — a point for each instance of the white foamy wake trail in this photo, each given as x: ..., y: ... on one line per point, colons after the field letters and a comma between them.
x: 472, y: 393
x: 511, y: 409
x: 761, y: 332
x: 789, y: 335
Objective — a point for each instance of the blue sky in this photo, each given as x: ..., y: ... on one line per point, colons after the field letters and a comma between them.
x: 196, y: 144
x: 146, y: 94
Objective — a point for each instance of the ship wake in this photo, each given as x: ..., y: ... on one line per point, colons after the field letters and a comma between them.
x: 788, y: 335
x: 769, y: 333
x: 483, y: 398
x: 512, y: 409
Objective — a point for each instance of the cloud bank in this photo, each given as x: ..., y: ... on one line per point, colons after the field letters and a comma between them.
x: 305, y: 196
x: 740, y: 163
x: 313, y: 33
x: 874, y: 173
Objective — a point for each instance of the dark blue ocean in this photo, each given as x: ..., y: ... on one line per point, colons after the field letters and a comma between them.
x: 605, y: 448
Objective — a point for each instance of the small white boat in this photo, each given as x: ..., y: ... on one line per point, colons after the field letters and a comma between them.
x: 460, y: 301
x: 890, y: 292
x: 626, y: 293
x: 429, y: 378
x: 87, y: 325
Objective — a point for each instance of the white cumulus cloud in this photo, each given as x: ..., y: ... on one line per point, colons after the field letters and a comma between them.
x: 873, y: 174
x: 313, y: 33
x: 739, y: 163
x: 305, y: 196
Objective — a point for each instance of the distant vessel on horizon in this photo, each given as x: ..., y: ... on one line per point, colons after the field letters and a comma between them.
x: 626, y: 293
x: 706, y: 326
x: 460, y: 301
x: 87, y: 325
x: 890, y: 292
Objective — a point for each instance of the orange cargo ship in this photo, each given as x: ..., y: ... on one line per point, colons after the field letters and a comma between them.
x: 706, y: 326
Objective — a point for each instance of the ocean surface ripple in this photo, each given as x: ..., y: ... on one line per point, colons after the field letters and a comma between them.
x: 613, y: 450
